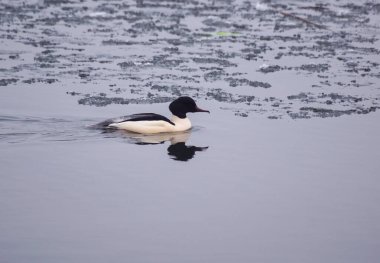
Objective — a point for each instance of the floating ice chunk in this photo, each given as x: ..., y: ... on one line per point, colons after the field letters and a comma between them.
x: 264, y: 66
x: 342, y: 12
x: 226, y: 34
x: 261, y: 6
x: 98, y: 14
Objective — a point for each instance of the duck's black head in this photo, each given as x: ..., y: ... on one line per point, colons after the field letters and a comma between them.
x: 183, y: 105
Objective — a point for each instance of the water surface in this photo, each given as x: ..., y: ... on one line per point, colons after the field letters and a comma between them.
x: 284, y: 169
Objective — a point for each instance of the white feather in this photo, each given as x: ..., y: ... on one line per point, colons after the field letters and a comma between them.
x: 151, y: 127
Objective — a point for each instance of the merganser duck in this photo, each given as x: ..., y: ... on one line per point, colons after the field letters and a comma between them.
x: 151, y: 123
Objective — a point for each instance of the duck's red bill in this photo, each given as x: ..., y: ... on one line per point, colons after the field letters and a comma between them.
x: 200, y: 110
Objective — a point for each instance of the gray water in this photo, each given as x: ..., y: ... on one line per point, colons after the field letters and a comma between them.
x: 284, y: 169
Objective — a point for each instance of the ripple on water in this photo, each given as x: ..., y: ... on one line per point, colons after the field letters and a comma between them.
x: 26, y: 129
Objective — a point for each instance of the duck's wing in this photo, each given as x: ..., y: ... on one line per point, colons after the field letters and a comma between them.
x: 134, y: 117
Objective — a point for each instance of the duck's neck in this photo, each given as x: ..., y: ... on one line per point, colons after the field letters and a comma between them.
x: 181, y: 124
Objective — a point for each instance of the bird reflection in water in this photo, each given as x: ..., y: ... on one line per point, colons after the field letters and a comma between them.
x: 181, y: 152
x: 177, y: 150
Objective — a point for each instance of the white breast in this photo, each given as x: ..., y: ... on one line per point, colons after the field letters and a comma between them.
x: 181, y: 124
x: 151, y: 127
